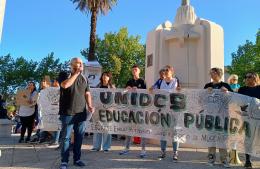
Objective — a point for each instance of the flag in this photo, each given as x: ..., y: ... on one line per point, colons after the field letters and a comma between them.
x: 2, y: 13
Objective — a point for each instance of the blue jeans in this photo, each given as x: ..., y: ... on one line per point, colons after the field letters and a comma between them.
x: 103, y: 138
x: 56, y: 136
x: 78, y: 124
x: 175, y: 145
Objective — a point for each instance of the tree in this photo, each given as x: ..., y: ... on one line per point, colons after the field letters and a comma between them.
x: 15, y: 73
x: 5, y: 65
x: 118, y: 52
x: 246, y: 59
x: 94, y: 7
x: 49, y: 66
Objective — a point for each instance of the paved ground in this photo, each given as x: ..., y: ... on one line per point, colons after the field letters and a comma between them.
x: 28, y: 156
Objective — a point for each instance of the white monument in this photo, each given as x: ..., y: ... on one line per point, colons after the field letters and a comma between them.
x: 190, y: 44
x: 2, y: 13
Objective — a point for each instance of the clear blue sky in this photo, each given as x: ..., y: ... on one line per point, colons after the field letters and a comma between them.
x: 35, y: 28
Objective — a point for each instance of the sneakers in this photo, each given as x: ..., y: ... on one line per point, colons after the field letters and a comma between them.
x: 79, y: 163
x: 124, y: 152
x: 94, y: 149
x: 106, y: 151
x: 34, y: 141
x: 21, y: 140
x: 53, y: 145
x: 211, y: 160
x: 225, y: 164
x: 248, y: 165
x: 27, y: 140
x: 142, y: 154
x: 63, y: 166
x: 162, y: 156
x: 175, y: 156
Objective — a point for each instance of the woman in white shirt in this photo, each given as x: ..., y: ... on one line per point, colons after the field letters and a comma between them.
x: 170, y: 82
x: 26, y: 113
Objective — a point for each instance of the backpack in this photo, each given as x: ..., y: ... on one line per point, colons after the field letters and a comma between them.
x: 159, y: 82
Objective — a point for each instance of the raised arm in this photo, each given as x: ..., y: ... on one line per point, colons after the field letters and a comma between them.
x: 68, y: 82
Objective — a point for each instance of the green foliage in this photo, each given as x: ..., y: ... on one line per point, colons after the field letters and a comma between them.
x: 246, y: 59
x: 117, y: 53
x: 102, y: 6
x: 49, y: 66
x: 15, y: 73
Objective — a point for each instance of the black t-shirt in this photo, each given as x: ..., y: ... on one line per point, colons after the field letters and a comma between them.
x: 72, y: 99
x: 218, y: 86
x: 250, y: 91
x: 3, y: 111
x: 139, y: 83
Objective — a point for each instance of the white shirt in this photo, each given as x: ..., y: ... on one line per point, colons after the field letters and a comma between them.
x: 172, y: 85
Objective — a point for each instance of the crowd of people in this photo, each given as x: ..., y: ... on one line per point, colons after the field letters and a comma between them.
x: 75, y: 102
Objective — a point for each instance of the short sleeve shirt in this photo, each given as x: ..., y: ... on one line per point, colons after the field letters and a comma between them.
x: 139, y: 83
x: 72, y: 99
x: 250, y: 91
x: 218, y: 86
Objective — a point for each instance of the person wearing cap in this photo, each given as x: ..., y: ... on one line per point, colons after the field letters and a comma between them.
x: 135, y: 83
x: 216, y: 75
x: 233, y: 82
x: 252, y: 89
x: 170, y: 82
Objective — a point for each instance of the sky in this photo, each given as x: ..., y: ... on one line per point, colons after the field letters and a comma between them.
x: 33, y: 29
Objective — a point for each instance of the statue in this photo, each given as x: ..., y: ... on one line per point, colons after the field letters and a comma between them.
x: 185, y: 2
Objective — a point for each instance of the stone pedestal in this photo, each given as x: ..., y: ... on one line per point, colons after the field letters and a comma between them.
x: 5, y: 128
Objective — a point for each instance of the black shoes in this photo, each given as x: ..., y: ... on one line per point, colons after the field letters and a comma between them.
x: 79, y: 163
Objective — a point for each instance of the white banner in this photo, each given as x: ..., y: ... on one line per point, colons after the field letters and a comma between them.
x: 197, y: 117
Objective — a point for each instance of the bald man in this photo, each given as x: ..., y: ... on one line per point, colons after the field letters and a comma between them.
x: 75, y: 101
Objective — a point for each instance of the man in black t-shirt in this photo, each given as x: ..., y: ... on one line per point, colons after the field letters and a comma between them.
x: 74, y: 96
x: 135, y: 83
x: 251, y: 89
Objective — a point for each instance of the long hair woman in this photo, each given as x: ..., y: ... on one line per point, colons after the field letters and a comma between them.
x: 26, y: 113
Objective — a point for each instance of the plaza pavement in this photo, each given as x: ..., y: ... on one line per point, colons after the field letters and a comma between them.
x: 40, y: 156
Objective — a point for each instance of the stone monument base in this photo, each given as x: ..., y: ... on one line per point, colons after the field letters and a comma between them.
x: 5, y: 128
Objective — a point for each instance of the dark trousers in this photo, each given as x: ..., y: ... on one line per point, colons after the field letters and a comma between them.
x: 78, y: 124
x: 248, y: 158
x: 27, y: 123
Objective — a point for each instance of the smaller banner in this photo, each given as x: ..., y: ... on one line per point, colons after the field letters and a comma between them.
x: 48, y: 106
x: 22, y: 97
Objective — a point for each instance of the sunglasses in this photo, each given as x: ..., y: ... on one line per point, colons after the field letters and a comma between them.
x: 249, y: 76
